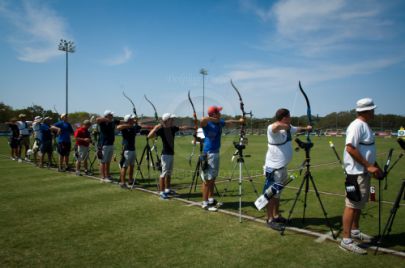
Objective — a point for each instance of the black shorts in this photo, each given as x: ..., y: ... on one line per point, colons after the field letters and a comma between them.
x: 64, y: 148
x: 14, y: 142
x: 46, y: 147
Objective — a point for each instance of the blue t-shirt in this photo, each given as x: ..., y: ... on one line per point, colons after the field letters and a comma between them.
x: 65, y: 131
x: 45, y: 134
x: 212, y: 133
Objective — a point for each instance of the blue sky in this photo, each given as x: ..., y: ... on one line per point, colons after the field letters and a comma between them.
x: 340, y: 50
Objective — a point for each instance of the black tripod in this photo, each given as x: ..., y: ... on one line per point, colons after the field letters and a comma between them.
x: 199, y: 167
x: 388, y: 225
x: 308, y: 177
x: 147, y: 153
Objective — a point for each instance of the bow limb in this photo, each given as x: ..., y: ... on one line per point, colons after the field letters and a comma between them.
x: 195, y: 120
x: 308, y: 110
x: 132, y: 103
x: 242, y: 108
x: 154, y: 109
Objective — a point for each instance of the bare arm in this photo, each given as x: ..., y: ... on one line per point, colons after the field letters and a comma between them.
x: 232, y: 122
x: 206, y: 119
x: 152, y: 133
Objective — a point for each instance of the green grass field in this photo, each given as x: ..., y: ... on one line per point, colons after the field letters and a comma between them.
x: 57, y: 219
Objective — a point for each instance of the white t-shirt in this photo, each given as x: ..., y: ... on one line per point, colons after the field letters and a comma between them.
x: 24, y: 127
x: 360, y: 136
x: 36, y: 126
x: 279, y: 152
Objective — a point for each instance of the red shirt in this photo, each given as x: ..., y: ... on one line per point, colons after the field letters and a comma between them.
x: 83, y: 133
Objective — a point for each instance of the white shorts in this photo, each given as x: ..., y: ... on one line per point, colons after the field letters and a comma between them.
x: 108, y: 151
x: 82, y: 153
x: 212, y: 170
x: 129, y: 159
x: 167, y: 165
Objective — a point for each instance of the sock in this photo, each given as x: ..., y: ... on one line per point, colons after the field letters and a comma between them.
x: 210, y: 200
x: 355, y: 231
x: 347, y: 240
x: 167, y: 191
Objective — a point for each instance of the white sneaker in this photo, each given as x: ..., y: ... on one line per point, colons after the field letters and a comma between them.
x: 363, y: 237
x: 27, y: 159
x: 19, y: 160
x: 352, y: 247
x: 106, y: 180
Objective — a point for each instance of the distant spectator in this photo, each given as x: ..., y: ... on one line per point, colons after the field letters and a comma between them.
x: 14, y: 138
x: 64, y: 143
x: 24, y: 128
x: 83, y: 140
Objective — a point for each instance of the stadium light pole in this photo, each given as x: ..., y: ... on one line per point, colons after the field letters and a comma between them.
x: 68, y: 47
x: 204, y: 72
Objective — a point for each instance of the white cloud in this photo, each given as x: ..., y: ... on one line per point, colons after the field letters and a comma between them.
x: 36, y: 30
x: 279, y: 79
x: 319, y: 27
x: 124, y: 57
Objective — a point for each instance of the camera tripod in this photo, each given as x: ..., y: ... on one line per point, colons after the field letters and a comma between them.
x: 198, y: 169
x: 390, y: 221
x: 240, y: 162
x: 308, y: 177
x: 148, y: 155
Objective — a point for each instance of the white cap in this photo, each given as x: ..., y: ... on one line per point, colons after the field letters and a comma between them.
x: 166, y: 116
x: 128, y: 116
x: 37, y: 118
x: 365, y: 104
x: 63, y: 115
x: 107, y: 112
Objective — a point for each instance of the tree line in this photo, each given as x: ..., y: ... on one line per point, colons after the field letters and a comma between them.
x: 335, y: 120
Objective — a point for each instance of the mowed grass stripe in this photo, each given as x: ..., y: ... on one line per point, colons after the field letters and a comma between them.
x: 53, y: 219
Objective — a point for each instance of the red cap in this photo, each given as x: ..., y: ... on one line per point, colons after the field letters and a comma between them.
x: 214, y: 109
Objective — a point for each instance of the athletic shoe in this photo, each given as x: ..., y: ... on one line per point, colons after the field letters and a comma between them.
x: 27, y: 159
x: 123, y: 185
x: 275, y: 225
x: 362, y: 237
x: 19, y: 160
x: 106, y: 179
x: 352, y: 247
x: 110, y: 178
x: 61, y: 170
x: 163, y: 196
x: 209, y: 207
x: 280, y: 219
x: 12, y: 158
x: 171, y: 192
x: 78, y: 173
x: 213, y: 203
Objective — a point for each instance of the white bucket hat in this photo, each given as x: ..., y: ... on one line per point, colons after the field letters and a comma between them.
x: 365, y: 104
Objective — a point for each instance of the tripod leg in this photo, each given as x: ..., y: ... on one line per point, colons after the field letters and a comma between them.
x: 296, y: 199
x: 323, y: 208
x: 306, y: 177
x: 230, y: 179
x: 194, y: 178
x: 251, y: 180
x: 138, y: 168
x: 390, y: 221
